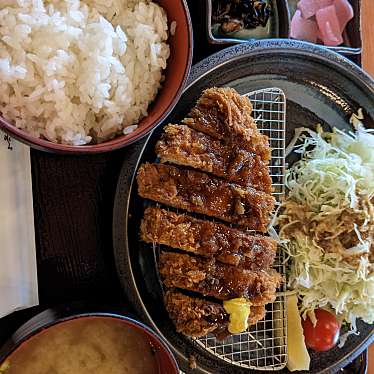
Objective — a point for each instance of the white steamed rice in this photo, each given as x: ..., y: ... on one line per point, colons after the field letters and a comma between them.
x: 71, y: 70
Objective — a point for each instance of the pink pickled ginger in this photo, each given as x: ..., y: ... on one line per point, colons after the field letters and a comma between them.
x: 344, y: 12
x: 309, y: 7
x: 303, y: 29
x: 329, y: 26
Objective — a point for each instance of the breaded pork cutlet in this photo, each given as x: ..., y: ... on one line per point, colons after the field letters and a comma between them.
x: 182, y: 145
x: 224, y: 114
x: 197, y: 317
x: 221, y: 281
x: 200, y: 193
x: 208, y: 239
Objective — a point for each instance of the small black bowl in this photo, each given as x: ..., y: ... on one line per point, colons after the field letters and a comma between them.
x: 282, y: 30
x: 352, y: 44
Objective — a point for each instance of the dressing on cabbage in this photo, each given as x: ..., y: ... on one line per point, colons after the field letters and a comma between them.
x: 327, y: 221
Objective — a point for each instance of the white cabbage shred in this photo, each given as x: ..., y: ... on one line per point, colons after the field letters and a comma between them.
x: 327, y: 222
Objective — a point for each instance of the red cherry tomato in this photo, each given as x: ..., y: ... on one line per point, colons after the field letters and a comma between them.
x: 325, y: 334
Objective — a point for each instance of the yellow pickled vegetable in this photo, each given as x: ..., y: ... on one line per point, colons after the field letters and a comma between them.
x: 298, y: 356
x: 239, y: 310
x: 4, y: 367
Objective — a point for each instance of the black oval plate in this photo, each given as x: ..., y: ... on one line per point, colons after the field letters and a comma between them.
x: 321, y: 87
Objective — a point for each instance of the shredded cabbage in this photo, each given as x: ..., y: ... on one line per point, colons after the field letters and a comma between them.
x: 327, y: 222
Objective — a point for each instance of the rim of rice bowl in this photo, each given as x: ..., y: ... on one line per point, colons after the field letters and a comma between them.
x: 76, y: 72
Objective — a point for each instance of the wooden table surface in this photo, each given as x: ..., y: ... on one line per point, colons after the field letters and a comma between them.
x: 367, y: 26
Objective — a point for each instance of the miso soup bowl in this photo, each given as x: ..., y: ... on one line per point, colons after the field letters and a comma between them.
x: 165, y: 360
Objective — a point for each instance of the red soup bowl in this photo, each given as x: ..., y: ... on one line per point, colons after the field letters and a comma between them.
x: 28, y: 337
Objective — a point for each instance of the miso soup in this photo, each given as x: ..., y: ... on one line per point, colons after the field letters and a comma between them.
x: 84, y: 346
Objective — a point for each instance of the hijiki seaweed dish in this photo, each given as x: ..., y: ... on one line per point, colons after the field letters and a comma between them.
x: 236, y: 15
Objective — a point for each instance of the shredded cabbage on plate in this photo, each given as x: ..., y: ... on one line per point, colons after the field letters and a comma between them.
x: 327, y: 221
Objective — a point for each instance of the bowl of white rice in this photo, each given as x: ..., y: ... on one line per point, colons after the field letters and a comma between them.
x: 89, y: 76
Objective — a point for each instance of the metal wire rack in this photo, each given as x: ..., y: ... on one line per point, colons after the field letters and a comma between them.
x: 264, y: 346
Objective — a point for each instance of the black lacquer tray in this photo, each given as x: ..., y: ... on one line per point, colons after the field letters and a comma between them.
x: 321, y: 87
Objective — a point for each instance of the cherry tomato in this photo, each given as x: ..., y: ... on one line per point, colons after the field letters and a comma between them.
x: 325, y: 334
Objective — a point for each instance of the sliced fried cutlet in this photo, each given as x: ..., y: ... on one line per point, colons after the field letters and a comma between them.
x: 224, y: 114
x: 221, y: 281
x: 198, y: 192
x: 197, y: 317
x: 182, y: 145
x: 207, y: 239
x: 193, y: 316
